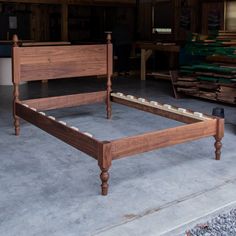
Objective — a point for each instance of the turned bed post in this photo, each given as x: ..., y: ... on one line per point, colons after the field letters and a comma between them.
x: 15, y: 80
x: 109, y: 74
x: 219, y: 135
x: 104, y: 162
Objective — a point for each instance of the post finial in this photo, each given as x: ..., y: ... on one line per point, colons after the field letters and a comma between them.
x: 108, y: 36
x: 15, y: 40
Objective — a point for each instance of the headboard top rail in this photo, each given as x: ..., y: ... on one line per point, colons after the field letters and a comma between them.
x: 66, y: 61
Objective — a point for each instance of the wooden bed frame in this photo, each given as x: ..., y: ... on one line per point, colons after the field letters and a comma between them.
x: 51, y: 62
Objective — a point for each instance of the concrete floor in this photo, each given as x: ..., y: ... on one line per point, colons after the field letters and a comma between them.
x: 49, y: 188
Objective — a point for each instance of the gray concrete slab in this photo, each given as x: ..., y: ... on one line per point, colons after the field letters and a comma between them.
x: 50, y: 188
x: 181, y: 213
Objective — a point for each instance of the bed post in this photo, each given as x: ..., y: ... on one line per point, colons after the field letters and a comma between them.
x: 109, y: 74
x: 219, y: 135
x: 104, y: 162
x: 15, y: 80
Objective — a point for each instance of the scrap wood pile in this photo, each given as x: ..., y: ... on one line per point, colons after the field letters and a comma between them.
x: 213, y: 76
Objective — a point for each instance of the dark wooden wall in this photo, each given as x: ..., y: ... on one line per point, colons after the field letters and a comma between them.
x: 188, y: 16
x: 86, y: 20
x: 73, y: 22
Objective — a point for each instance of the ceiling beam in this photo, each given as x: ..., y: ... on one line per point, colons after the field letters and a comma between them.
x: 34, y: 1
x: 79, y: 2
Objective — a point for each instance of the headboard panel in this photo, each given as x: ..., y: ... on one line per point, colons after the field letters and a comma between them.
x: 52, y: 62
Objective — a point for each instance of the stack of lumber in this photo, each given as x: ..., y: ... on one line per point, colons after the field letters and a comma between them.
x: 227, y: 94
x: 214, y: 75
x: 187, y: 84
x: 226, y: 35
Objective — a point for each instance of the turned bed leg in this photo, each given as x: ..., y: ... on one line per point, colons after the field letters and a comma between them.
x: 108, y: 104
x: 218, y: 146
x: 104, y: 162
x: 104, y: 178
x: 16, y: 79
x: 17, y: 125
x: 109, y: 74
x: 15, y: 117
x: 218, y: 137
x: 108, y: 99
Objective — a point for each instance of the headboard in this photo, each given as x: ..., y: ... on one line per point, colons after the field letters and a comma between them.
x: 54, y: 62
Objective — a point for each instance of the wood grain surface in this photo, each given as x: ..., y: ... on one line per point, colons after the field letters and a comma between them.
x: 164, y: 138
x: 167, y: 114
x: 49, y: 103
x: 72, y: 137
x: 53, y: 62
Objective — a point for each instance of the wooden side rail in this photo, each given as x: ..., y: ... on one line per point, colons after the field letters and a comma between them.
x: 164, y: 138
x: 66, y: 101
x: 65, y: 133
x: 155, y: 110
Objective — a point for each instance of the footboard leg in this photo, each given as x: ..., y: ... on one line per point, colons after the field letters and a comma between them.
x: 109, y: 74
x: 218, y: 137
x: 15, y: 117
x: 218, y: 146
x: 17, y: 125
x: 104, y: 162
x: 104, y: 178
x: 108, y: 107
x: 108, y: 99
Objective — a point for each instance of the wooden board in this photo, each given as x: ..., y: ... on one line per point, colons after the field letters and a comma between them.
x: 50, y: 103
x: 53, y: 62
x: 158, y: 139
x: 74, y: 138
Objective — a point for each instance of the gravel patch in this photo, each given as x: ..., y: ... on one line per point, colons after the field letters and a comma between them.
x: 222, y: 225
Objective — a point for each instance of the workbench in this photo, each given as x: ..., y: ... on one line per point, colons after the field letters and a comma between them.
x: 147, y: 48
